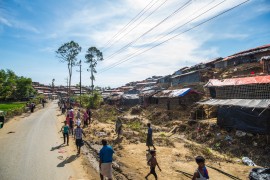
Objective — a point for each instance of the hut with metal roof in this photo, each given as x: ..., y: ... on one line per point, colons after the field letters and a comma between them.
x: 247, y: 56
x: 173, y: 99
x: 243, y: 103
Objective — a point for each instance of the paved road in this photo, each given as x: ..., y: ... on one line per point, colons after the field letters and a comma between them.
x: 26, y: 154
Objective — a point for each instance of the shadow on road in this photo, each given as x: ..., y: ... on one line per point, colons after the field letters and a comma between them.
x: 57, y: 147
x: 68, y: 160
x: 188, y: 175
x: 222, y: 172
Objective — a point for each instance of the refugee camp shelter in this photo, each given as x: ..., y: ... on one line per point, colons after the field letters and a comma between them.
x: 247, y: 56
x: 173, y: 99
x: 115, y: 98
x: 265, y: 60
x: 243, y: 103
x: 130, y: 99
x: 146, y: 97
x: 190, y: 77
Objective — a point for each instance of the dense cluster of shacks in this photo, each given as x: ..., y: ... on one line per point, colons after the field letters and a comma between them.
x: 53, y: 92
x: 242, y: 102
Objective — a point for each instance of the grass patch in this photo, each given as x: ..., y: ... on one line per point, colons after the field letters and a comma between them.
x: 135, y: 125
x: 11, y: 106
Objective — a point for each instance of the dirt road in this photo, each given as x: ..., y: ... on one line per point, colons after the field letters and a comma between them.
x: 29, y: 149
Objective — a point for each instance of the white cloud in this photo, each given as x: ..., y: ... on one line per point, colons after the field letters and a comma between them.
x: 5, y: 21
x: 87, y: 26
x: 92, y: 24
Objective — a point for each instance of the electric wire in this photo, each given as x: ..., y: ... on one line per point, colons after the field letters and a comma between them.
x: 210, y: 19
x: 134, y: 19
x: 158, y: 7
x: 162, y: 21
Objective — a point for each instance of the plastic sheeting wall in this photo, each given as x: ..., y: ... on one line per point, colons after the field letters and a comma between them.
x: 244, y: 119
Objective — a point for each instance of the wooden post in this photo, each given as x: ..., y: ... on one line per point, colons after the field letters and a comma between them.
x: 207, y: 112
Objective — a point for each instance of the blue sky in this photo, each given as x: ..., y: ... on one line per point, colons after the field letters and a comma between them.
x: 31, y: 32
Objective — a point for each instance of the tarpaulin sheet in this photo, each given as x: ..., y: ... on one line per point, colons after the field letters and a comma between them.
x: 130, y: 96
x: 173, y: 93
x: 251, y: 103
x: 239, y: 81
x: 245, y: 119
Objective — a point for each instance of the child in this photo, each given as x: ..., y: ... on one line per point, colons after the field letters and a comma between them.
x: 201, y: 173
x: 152, y: 162
x: 65, y: 130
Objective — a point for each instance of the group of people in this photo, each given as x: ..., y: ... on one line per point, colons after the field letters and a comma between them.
x: 73, y: 125
x: 106, y: 152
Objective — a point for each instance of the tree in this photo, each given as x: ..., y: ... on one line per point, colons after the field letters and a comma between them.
x: 13, y: 87
x: 67, y: 53
x: 93, y: 55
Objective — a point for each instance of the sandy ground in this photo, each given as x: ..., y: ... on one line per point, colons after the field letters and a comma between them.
x: 81, y: 164
x: 176, y: 162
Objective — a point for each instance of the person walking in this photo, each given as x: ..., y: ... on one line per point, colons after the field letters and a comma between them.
x: 149, y: 139
x: 71, y: 125
x: 78, y: 132
x: 89, y: 113
x: 65, y: 131
x: 152, y: 162
x: 105, y: 162
x: 118, y: 127
x: 85, y: 119
x: 43, y: 103
x: 63, y: 107
x: 78, y: 115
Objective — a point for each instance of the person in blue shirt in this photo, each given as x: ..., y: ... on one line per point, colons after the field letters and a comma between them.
x: 105, y: 162
x: 149, y: 140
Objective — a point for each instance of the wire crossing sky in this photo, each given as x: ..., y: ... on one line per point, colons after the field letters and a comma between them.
x: 31, y: 32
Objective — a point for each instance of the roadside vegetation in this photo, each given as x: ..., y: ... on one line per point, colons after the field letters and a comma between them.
x: 15, y: 92
x: 15, y: 88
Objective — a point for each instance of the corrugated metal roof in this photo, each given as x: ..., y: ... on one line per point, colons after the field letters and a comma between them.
x: 185, y: 74
x: 239, y: 81
x: 266, y: 57
x: 251, y: 103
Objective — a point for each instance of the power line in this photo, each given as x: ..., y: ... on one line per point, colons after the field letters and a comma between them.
x: 138, y: 24
x: 175, y: 28
x: 165, y: 19
x: 214, y: 17
x: 140, y: 14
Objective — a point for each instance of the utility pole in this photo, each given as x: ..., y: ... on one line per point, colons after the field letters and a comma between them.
x: 92, y: 78
x: 67, y: 84
x: 80, y: 82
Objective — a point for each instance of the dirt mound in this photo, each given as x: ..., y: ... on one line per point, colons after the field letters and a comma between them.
x: 253, y: 146
x: 107, y: 113
x: 136, y: 110
x: 162, y: 117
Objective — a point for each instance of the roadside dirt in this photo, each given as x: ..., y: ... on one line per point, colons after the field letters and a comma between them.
x: 175, y: 150
x: 82, y: 165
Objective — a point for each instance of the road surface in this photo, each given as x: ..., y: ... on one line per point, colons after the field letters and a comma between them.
x: 26, y: 149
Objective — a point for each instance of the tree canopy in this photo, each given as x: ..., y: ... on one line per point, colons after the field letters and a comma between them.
x: 93, y: 55
x: 13, y: 87
x: 67, y: 53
